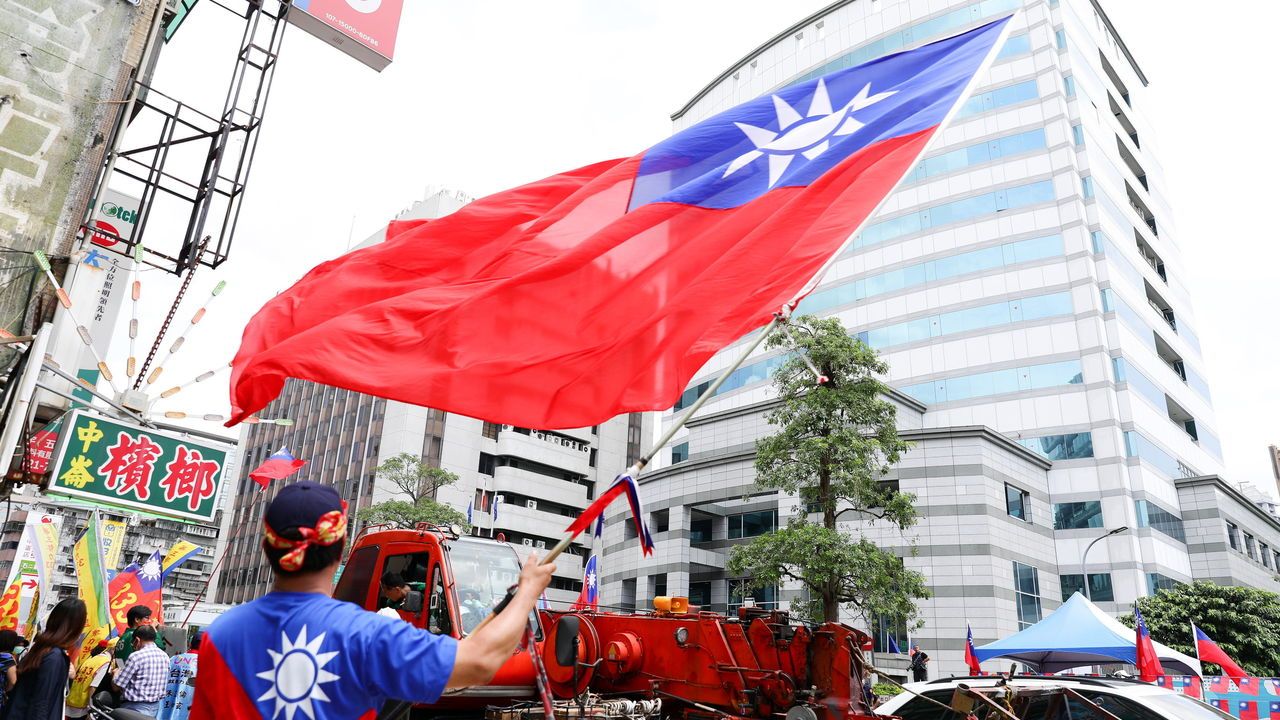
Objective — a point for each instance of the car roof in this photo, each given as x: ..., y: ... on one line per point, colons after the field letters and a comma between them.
x: 1128, y: 688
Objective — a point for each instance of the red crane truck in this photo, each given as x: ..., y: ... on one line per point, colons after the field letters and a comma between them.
x: 673, y: 662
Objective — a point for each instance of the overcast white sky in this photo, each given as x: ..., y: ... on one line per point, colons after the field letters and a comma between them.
x: 487, y: 95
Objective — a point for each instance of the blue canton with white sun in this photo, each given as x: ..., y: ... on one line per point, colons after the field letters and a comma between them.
x: 792, y: 136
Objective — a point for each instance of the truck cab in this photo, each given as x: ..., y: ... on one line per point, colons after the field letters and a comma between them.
x: 460, y: 579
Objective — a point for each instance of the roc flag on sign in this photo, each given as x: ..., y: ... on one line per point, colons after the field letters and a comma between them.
x: 602, y: 290
x: 279, y: 466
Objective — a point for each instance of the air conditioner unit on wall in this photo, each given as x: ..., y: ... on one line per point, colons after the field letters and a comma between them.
x: 528, y: 541
x: 531, y: 504
x: 541, y: 544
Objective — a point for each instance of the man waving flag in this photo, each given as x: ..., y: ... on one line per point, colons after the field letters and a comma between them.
x: 602, y: 290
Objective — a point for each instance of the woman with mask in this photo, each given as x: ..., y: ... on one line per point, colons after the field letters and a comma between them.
x: 44, y: 668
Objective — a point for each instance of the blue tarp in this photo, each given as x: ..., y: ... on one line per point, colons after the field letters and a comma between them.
x: 1075, y: 635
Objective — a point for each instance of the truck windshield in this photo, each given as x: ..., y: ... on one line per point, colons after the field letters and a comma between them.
x: 482, y: 572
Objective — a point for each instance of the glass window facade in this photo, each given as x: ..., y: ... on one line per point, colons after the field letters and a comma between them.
x: 1077, y: 515
x: 1100, y: 589
x: 1000, y: 97
x: 1086, y: 186
x: 1233, y: 536
x: 965, y: 263
x: 765, y: 597
x: 955, y: 211
x: 1138, y: 445
x: 997, y: 382
x: 1157, y: 518
x: 751, y: 524
x: 984, y: 152
x: 975, y: 318
x: 1068, y: 446
x: 885, y: 628
x: 1077, y: 135
x: 912, y: 35
x: 1016, y: 46
x: 1026, y: 582
x: 679, y: 453
x: 1140, y: 383
x: 1157, y: 582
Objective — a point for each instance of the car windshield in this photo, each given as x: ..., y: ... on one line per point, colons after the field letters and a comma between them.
x: 482, y: 572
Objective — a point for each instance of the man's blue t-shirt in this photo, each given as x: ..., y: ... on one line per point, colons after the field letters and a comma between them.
x: 288, y: 655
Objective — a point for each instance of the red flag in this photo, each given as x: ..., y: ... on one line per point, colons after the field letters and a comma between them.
x: 1208, y: 651
x: 602, y: 290
x: 279, y: 466
x: 971, y: 655
x: 1148, y: 663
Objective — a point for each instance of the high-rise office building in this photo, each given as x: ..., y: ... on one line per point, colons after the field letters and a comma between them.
x: 521, y: 484
x: 1026, y: 285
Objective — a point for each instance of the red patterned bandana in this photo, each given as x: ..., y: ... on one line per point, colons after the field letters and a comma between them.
x: 329, y: 529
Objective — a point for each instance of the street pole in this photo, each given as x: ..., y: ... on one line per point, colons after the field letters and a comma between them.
x: 1084, y: 561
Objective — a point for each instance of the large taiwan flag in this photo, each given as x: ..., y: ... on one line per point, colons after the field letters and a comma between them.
x: 602, y: 290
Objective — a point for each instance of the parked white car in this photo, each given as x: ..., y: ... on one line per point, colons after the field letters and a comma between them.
x: 1045, y: 698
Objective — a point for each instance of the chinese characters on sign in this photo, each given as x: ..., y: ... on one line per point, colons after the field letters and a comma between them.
x: 144, y: 468
x: 40, y: 451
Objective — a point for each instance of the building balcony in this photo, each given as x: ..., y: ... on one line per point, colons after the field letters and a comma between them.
x: 551, y: 449
x: 537, y: 485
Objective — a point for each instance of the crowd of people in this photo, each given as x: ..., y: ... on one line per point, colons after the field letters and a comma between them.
x: 355, y: 660
x: 51, y: 678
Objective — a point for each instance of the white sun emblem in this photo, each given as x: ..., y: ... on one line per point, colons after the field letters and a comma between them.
x: 150, y: 569
x: 591, y: 580
x: 809, y: 135
x: 297, y: 675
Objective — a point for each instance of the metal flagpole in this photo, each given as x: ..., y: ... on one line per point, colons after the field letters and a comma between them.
x: 779, y: 318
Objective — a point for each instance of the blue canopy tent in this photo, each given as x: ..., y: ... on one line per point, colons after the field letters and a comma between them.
x: 1079, y: 634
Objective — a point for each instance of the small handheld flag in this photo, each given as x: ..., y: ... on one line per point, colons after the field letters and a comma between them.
x: 469, y: 504
x: 497, y: 500
x: 1208, y: 651
x: 279, y: 466
x: 970, y: 656
x: 893, y: 646
x: 589, y: 598
x: 1147, y: 662
x: 624, y: 483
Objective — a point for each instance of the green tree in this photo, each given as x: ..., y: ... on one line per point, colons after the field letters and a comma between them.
x: 1245, y: 622
x: 834, y: 444
x: 420, y: 481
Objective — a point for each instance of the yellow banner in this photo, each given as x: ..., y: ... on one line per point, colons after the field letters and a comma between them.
x: 9, y: 605
x: 91, y: 579
x: 180, y: 551
x: 112, y: 542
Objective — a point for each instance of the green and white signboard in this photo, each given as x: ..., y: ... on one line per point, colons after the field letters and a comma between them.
x: 112, y: 463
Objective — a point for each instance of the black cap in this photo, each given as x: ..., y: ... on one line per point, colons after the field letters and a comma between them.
x: 301, y: 505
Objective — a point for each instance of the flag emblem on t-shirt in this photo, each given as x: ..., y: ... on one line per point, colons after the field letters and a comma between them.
x: 296, y: 675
